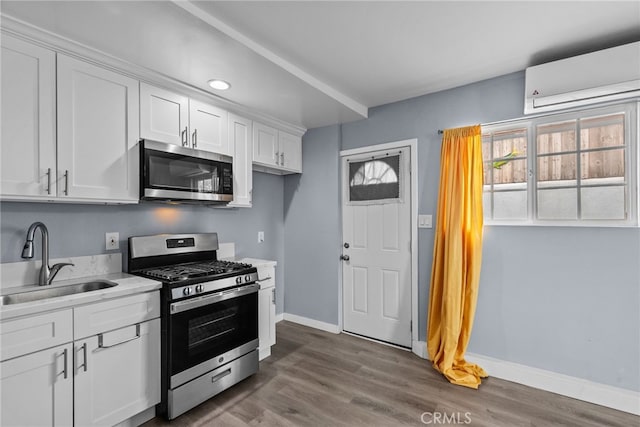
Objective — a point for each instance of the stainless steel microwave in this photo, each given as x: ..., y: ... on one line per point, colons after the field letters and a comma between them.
x: 173, y: 173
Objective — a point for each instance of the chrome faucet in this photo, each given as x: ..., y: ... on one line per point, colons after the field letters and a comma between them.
x: 46, y: 273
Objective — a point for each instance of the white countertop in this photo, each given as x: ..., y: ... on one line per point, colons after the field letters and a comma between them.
x: 127, y: 284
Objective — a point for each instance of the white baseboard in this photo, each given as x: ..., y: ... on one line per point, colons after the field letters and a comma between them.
x: 577, y: 388
x: 419, y: 348
x: 312, y: 323
x: 279, y: 317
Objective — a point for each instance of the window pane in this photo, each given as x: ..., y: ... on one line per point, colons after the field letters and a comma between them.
x: 510, y: 145
x: 510, y: 205
x: 486, y: 148
x: 375, y: 179
x: 557, y: 137
x: 557, y: 168
x: 560, y: 203
x: 603, y: 202
x: 599, y: 132
x: 602, y: 164
x: 486, y: 205
x: 487, y: 171
x: 510, y: 171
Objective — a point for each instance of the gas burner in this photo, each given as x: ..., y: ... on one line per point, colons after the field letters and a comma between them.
x: 209, y: 269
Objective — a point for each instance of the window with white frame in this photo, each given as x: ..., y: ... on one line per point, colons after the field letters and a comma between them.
x: 574, y: 168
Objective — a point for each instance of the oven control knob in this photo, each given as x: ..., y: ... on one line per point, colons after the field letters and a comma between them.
x: 247, y: 278
x: 239, y: 280
x: 187, y: 291
x: 199, y: 288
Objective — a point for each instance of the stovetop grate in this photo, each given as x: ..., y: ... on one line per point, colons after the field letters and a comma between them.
x: 179, y: 272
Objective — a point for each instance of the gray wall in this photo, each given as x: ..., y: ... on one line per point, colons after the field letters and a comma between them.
x: 560, y: 299
x: 312, y: 229
x: 77, y: 230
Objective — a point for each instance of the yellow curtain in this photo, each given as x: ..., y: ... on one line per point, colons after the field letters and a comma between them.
x: 457, y: 256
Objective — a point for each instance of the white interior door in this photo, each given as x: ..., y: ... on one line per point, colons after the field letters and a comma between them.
x: 376, y: 221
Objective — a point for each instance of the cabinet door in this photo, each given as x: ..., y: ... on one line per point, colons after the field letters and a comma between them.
x: 164, y: 115
x: 266, y: 320
x: 37, y: 389
x: 265, y: 144
x: 28, y: 165
x: 208, y: 127
x: 117, y: 374
x: 97, y: 132
x: 290, y: 151
x: 240, y: 140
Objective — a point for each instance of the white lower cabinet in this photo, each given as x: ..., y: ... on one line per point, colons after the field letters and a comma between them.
x: 98, y: 380
x: 266, y: 310
x: 117, y: 374
x: 37, y: 389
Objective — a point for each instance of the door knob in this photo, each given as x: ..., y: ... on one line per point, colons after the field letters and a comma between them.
x: 346, y: 246
x: 344, y: 257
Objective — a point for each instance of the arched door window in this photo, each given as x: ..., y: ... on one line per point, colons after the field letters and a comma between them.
x: 375, y: 179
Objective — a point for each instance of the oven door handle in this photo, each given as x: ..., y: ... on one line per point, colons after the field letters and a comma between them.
x: 180, y: 306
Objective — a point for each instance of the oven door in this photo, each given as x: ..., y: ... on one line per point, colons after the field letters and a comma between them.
x: 208, y: 331
x: 171, y: 172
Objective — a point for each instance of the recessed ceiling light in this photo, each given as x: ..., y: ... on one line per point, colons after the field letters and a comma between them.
x: 219, y: 84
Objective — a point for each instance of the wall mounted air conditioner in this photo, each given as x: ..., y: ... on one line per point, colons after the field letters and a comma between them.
x: 605, y: 75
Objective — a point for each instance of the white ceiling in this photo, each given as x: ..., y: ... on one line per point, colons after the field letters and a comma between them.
x: 313, y: 63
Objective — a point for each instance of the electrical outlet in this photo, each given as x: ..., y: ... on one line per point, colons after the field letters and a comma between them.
x: 260, y: 236
x: 112, y: 241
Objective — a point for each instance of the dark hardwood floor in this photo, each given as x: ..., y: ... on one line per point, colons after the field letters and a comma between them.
x: 314, y: 378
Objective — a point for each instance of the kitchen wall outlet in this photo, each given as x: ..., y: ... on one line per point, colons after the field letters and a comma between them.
x: 424, y: 221
x: 112, y: 241
x: 260, y: 236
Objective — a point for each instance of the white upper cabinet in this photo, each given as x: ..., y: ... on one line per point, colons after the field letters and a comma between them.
x: 28, y: 150
x: 265, y: 144
x: 164, y: 115
x: 290, y: 151
x: 98, y: 126
x: 275, y: 151
x: 240, y: 139
x: 172, y: 118
x: 208, y: 128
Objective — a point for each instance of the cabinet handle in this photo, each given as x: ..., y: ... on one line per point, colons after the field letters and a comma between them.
x: 101, y: 344
x: 277, y: 157
x: 282, y: 159
x: 263, y: 280
x: 183, y: 137
x: 220, y: 376
x: 84, y: 357
x: 48, y: 180
x: 194, y: 138
x: 66, y: 182
x: 66, y: 360
x: 273, y: 295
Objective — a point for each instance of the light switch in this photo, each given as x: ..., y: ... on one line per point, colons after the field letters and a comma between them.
x: 424, y: 221
x: 260, y: 236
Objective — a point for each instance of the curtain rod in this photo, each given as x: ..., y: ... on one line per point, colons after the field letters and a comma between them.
x: 502, y: 122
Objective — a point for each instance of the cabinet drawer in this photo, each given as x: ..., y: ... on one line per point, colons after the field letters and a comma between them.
x: 106, y: 316
x: 266, y: 276
x: 33, y: 333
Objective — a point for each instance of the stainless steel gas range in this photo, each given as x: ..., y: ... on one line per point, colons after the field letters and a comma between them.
x: 209, y: 316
